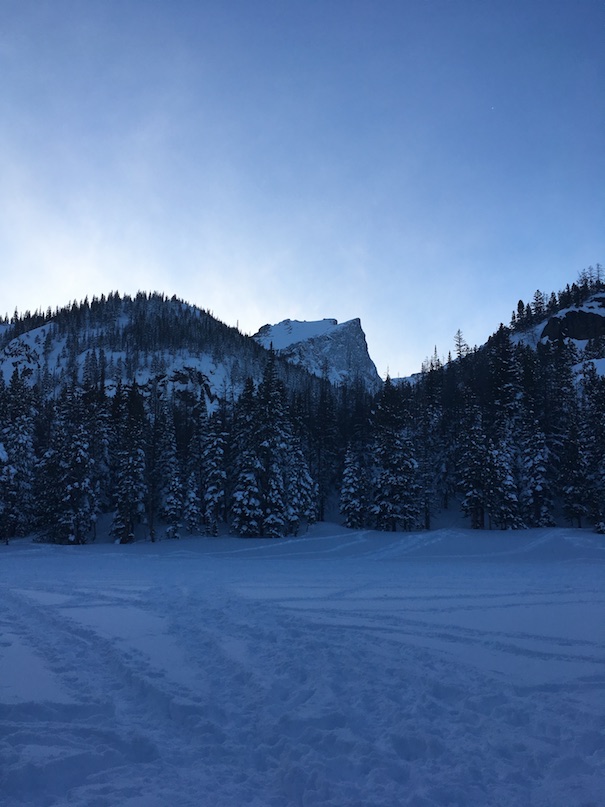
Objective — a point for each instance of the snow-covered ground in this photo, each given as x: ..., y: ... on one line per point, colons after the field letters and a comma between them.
x: 340, y: 668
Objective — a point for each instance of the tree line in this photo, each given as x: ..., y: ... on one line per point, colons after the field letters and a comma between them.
x: 511, y: 435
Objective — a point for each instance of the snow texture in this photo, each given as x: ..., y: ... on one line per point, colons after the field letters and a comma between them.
x: 291, y: 331
x: 324, y: 346
x: 339, y: 668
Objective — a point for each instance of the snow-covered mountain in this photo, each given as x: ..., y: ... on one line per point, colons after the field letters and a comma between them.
x: 324, y: 347
x: 122, y: 339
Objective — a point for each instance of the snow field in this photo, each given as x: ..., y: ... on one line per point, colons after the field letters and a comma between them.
x: 339, y: 668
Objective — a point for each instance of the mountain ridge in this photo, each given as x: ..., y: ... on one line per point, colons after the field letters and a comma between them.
x: 150, y: 334
x: 324, y: 347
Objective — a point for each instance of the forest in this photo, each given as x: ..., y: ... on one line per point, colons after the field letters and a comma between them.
x: 511, y: 434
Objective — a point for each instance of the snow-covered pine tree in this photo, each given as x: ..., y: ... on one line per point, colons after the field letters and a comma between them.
x: 502, y: 500
x: 192, y: 506
x: 472, y: 468
x: 573, y: 476
x: 397, y: 496
x: 160, y: 451
x: 274, y: 503
x: 272, y: 441
x: 19, y: 411
x: 130, y: 488
x: 324, y: 440
x: 173, y: 507
x: 301, y: 491
x: 246, y: 507
x: 4, y: 483
x: 592, y: 438
x: 214, y: 474
x: 536, y: 496
x: 354, y: 489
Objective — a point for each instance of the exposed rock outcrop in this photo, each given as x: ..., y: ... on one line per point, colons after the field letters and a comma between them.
x: 323, y: 347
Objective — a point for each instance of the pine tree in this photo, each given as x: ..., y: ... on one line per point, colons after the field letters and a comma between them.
x: 473, y: 480
x: 397, y: 496
x: 272, y: 441
x: 592, y: 439
x: 246, y: 515
x: 324, y: 445
x: 300, y: 490
x: 246, y: 508
x: 354, y: 492
x: 274, y: 511
x: 192, y: 508
x: 535, y: 479
x: 4, y: 486
x: 215, y: 475
x: 18, y: 475
x: 159, y: 444
x: 502, y: 499
x: 78, y: 505
x: 173, y: 507
x: 131, y: 488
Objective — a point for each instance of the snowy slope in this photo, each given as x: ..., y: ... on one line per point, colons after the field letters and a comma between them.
x: 324, y: 347
x: 577, y: 324
x: 289, y: 332
x: 340, y: 668
x: 148, y: 337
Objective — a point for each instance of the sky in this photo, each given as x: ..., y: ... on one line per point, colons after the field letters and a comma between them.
x: 420, y: 164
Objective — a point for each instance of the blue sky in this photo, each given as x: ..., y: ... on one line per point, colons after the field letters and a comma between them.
x: 420, y: 164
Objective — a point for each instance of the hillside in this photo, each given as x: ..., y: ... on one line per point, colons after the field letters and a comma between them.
x: 123, y: 339
x: 153, y: 415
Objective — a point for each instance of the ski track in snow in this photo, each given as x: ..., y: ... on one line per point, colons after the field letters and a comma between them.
x: 340, y: 668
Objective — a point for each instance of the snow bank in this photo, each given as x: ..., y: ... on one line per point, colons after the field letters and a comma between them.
x: 340, y: 668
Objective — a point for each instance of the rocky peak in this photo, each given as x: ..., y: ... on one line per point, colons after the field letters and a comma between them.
x: 325, y: 346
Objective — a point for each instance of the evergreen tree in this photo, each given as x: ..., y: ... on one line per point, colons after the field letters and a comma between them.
x: 272, y: 441
x: 473, y: 480
x: 17, y: 437
x: 159, y: 445
x: 246, y: 513
x: 574, y: 481
x: 4, y: 487
x: 502, y: 498
x: 354, y: 491
x: 192, y: 507
x: 536, y: 483
x: 215, y: 475
x: 325, y: 445
x: 396, y: 499
x: 246, y: 508
x: 173, y: 507
x: 130, y: 489
x: 301, y: 491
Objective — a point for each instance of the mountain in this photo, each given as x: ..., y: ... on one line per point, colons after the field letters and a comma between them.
x: 151, y: 413
x: 142, y: 338
x: 151, y: 336
x: 324, y: 347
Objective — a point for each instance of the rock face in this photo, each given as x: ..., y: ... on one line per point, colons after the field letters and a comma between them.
x: 323, y: 347
x: 587, y: 322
